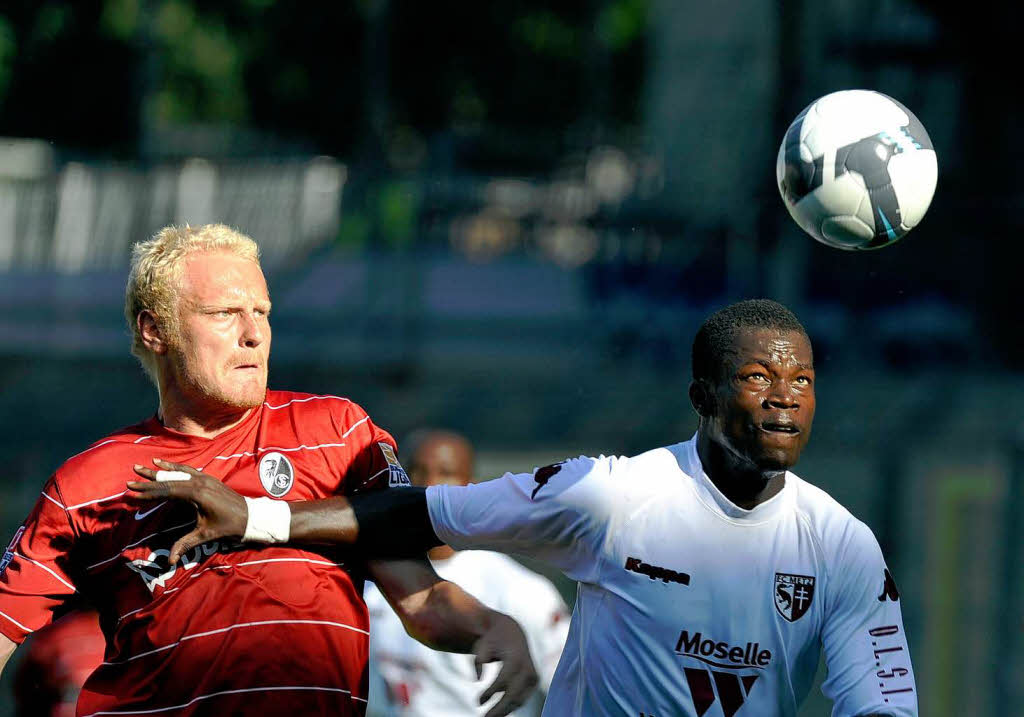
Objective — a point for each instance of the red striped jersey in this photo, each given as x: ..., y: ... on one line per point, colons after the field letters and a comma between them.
x: 232, y: 629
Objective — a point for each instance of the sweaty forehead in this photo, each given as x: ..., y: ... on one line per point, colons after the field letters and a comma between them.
x: 210, y: 277
x: 753, y: 345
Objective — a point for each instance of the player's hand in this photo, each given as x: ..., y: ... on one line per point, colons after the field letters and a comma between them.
x: 505, y: 642
x: 220, y: 511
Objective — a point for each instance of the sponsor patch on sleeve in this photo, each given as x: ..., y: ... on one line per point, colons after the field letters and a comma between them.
x: 397, y: 476
x: 9, y: 553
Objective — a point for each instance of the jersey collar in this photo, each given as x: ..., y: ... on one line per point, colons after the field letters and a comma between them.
x: 715, y: 500
x: 164, y: 436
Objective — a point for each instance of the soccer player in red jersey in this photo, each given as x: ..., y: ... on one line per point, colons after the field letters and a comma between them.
x: 229, y: 628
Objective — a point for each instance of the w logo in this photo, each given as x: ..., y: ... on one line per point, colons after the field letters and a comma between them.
x: 732, y: 689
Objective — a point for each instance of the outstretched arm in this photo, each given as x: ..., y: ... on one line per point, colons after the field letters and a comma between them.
x: 559, y: 514
x: 444, y: 617
x: 391, y: 524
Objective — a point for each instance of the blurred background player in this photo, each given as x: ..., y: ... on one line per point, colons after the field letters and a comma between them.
x: 56, y: 663
x: 408, y: 678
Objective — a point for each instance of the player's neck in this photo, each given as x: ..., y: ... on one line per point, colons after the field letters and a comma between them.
x: 743, y: 483
x: 197, y: 418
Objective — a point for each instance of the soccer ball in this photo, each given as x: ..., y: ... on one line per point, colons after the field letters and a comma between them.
x: 856, y: 170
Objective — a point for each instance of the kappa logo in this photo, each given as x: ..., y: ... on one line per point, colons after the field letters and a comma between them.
x: 9, y: 553
x: 889, y: 588
x: 793, y: 595
x: 276, y: 474
x: 542, y: 476
x: 655, y: 572
x: 732, y: 689
x: 397, y: 476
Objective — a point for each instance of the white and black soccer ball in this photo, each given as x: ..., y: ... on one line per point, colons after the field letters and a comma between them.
x: 856, y: 170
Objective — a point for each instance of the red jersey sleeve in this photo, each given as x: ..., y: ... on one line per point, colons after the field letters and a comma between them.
x: 35, y: 571
x: 375, y: 464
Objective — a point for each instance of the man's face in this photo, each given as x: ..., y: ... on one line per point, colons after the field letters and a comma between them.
x: 222, y: 348
x: 764, y: 404
x: 440, y: 460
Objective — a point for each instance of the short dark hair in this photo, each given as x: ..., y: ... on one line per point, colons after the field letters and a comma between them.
x: 716, y: 334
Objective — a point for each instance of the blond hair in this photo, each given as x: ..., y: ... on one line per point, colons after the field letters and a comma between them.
x: 155, y: 277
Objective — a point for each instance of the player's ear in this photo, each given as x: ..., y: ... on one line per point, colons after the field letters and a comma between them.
x: 702, y: 398
x: 150, y: 331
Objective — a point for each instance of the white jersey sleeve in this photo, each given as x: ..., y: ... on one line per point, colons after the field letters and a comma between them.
x: 559, y: 514
x: 866, y: 652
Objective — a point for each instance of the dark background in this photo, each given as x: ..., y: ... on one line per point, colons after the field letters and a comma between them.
x: 510, y: 220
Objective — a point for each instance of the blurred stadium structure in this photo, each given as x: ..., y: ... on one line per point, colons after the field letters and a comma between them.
x: 84, y: 218
x: 538, y: 289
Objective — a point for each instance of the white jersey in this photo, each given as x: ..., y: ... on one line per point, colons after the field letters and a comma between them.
x: 422, y: 682
x: 688, y: 604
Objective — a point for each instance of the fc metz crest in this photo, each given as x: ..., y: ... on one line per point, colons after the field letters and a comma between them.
x: 276, y: 474
x: 793, y: 595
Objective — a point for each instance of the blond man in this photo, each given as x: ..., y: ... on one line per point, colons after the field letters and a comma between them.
x: 227, y: 628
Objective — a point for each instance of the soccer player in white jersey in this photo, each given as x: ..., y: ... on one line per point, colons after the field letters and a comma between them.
x: 413, y: 680
x: 710, y: 576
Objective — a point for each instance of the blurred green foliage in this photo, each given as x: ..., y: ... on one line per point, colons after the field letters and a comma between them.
x: 8, y: 47
x: 620, y: 24
x: 398, y: 206
x: 203, y: 62
x: 97, y: 75
x: 546, y: 33
x: 386, y: 210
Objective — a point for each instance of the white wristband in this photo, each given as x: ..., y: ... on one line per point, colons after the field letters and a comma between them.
x: 269, y: 521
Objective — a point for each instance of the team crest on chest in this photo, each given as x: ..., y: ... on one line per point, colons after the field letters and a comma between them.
x: 793, y: 595
x: 276, y: 474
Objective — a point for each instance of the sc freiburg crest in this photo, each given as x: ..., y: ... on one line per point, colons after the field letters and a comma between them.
x: 793, y: 595
x: 276, y: 474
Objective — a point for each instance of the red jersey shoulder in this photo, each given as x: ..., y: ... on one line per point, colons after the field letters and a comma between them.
x: 101, y: 469
x: 296, y: 401
x: 321, y: 417
x: 367, y: 460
